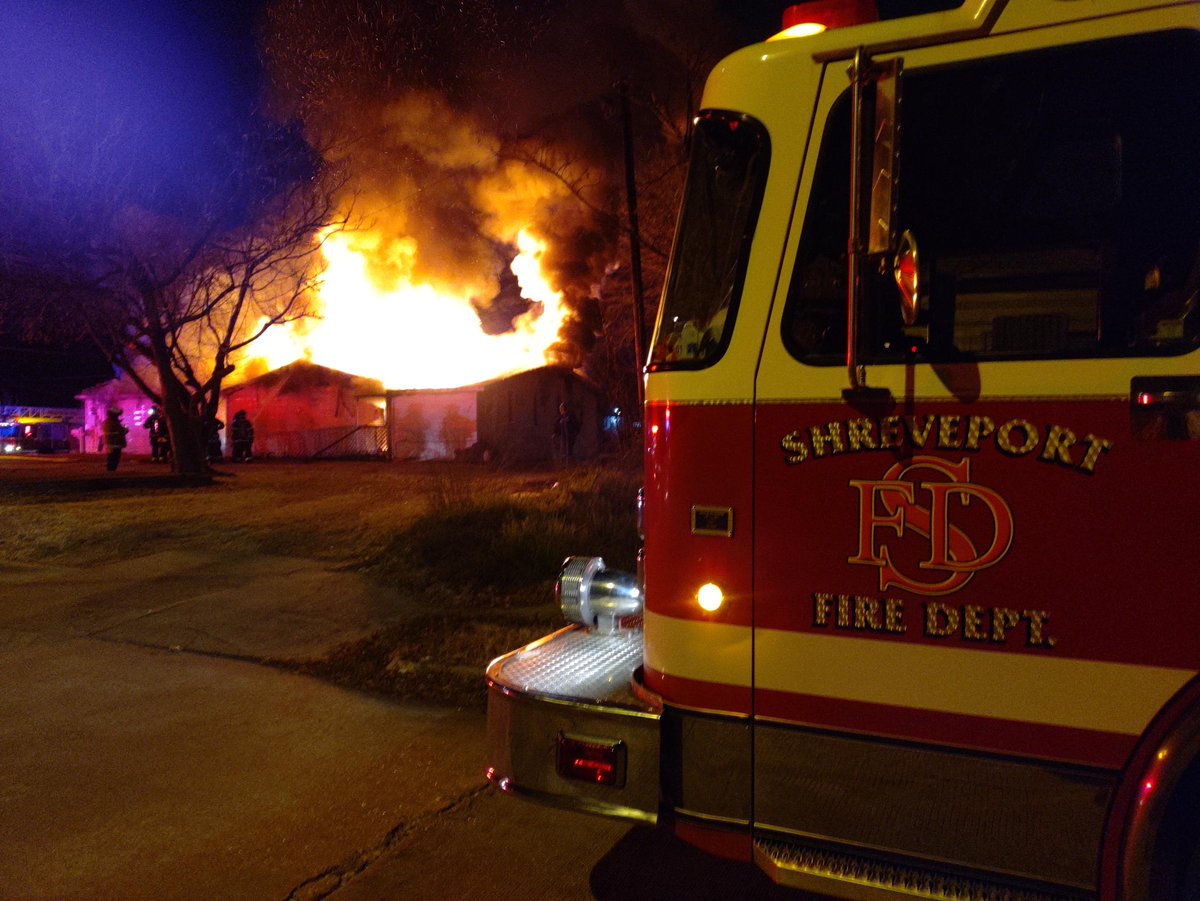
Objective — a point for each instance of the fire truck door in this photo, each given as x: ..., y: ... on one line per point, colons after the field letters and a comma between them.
x: 969, y: 581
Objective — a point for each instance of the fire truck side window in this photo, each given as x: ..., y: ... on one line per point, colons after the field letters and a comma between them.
x: 1055, y: 199
x: 724, y: 191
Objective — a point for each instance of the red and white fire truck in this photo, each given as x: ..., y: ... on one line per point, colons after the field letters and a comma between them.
x: 917, y: 614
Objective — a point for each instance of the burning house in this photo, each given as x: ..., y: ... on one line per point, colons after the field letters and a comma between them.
x: 479, y: 271
x: 510, y: 419
x: 433, y: 383
x: 304, y: 410
x: 517, y: 415
x: 482, y: 273
x: 432, y: 423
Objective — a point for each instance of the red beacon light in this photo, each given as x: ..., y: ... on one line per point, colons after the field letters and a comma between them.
x: 805, y: 19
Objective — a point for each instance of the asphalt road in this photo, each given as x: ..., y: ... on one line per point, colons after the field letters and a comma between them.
x: 147, y: 752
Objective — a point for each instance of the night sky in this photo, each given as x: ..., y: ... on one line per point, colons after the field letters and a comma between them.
x: 34, y: 375
x: 175, y: 68
x: 166, y: 71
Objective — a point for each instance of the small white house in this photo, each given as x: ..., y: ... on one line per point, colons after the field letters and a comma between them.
x: 120, y: 394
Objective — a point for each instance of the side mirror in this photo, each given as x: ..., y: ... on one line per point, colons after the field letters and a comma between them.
x: 885, y: 157
x: 906, y: 269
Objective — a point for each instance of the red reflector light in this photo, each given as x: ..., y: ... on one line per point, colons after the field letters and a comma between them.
x: 598, y: 761
x: 831, y: 13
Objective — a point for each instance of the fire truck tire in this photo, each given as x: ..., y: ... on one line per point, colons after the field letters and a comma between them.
x: 1175, y: 867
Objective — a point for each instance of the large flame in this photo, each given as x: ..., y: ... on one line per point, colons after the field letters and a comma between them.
x: 412, y: 335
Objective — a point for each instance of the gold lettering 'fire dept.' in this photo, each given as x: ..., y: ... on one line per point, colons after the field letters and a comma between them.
x: 1015, y: 438
x: 937, y: 620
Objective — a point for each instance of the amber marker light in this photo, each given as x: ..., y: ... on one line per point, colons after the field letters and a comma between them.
x: 710, y: 597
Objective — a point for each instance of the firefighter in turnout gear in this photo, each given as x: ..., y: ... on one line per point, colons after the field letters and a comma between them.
x: 160, y: 439
x: 113, y: 434
x: 241, y: 433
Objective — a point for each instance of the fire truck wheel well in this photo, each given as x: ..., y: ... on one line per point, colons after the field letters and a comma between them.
x: 1158, y: 849
x: 1175, y: 860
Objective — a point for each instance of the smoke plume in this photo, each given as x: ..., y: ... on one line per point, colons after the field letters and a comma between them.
x: 458, y: 125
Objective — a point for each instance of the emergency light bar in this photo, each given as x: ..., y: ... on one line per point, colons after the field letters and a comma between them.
x: 804, y: 19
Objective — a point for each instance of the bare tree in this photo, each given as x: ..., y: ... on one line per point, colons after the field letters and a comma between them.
x: 168, y: 282
x: 185, y: 317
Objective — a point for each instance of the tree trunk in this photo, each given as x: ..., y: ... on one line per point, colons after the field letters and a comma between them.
x: 188, y: 451
x: 188, y: 448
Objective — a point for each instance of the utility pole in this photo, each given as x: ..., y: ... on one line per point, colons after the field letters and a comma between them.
x: 635, y: 248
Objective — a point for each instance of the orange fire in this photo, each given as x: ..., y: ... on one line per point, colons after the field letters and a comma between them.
x: 409, y: 334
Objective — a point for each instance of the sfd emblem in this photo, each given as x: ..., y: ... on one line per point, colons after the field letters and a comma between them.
x: 889, y: 510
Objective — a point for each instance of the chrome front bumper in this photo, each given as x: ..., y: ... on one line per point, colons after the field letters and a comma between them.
x: 573, y: 684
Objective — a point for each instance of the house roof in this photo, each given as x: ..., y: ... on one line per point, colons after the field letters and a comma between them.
x: 566, y: 371
x: 304, y: 375
x: 114, y: 389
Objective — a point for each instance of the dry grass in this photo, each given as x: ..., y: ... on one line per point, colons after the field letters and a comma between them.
x: 474, y: 543
x: 365, y: 514
x: 437, y: 660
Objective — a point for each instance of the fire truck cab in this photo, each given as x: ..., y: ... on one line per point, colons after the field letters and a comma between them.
x: 917, y: 612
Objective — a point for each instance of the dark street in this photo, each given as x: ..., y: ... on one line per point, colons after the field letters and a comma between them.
x: 155, y: 752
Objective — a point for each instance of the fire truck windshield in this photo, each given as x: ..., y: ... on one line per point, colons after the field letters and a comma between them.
x: 725, y: 182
